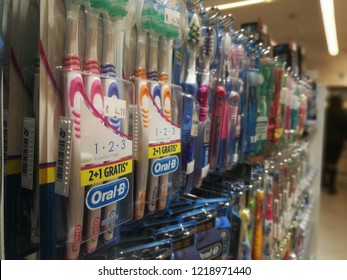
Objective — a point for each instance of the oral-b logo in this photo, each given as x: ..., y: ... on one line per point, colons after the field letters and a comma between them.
x: 164, y: 166
x: 224, y: 234
x: 106, y: 194
x: 211, y: 252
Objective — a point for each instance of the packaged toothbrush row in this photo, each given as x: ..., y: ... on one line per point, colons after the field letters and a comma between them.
x: 198, y: 230
x: 251, y: 105
x: 115, y: 112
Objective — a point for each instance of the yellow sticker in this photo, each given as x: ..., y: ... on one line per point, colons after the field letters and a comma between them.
x: 161, y: 150
x: 14, y: 166
x: 278, y: 133
x: 105, y: 172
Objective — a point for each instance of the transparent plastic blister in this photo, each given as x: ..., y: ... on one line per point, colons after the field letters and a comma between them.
x: 86, y: 126
x: 94, y: 173
x: 182, y: 234
x: 157, y: 147
x: 156, y: 250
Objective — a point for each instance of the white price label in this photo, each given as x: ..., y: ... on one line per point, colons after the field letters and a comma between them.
x: 205, y: 171
x: 190, y: 167
x: 115, y: 108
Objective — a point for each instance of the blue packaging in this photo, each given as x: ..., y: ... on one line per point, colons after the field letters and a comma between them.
x: 209, y: 242
x: 183, y: 240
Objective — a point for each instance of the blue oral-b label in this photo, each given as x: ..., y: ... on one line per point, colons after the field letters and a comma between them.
x: 106, y: 194
x: 164, y: 166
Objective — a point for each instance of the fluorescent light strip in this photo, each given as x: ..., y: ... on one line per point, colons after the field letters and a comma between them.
x: 239, y: 4
x: 328, y: 13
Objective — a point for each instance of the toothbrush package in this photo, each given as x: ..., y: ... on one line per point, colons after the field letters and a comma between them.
x: 20, y: 95
x: 88, y: 166
x: 158, y: 120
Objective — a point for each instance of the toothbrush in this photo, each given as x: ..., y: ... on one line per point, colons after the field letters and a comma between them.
x: 169, y: 33
x: 232, y: 156
x: 141, y: 133
x: 216, y: 127
x: 218, y: 101
x: 190, y: 87
x: 95, y: 94
x: 295, y: 107
x: 206, y: 53
x: 226, y: 122
x: 268, y: 220
x: 288, y: 106
x: 277, y: 103
x: 302, y: 113
x: 73, y: 88
x: 258, y: 235
x: 111, y: 14
x: 151, y: 24
x: 237, y: 54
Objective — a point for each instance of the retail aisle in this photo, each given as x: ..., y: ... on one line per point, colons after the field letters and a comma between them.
x: 332, y: 228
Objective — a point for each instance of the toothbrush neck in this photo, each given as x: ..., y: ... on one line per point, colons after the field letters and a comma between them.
x: 153, y: 58
x: 205, y: 79
x: 71, y: 43
x: 140, y: 71
x: 191, y: 76
x: 163, y: 62
x: 109, y: 43
x: 91, y: 44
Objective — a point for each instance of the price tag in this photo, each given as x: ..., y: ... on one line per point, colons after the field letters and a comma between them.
x: 205, y: 171
x: 115, y: 108
x: 190, y: 167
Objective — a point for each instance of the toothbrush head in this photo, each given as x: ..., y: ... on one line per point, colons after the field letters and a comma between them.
x: 194, y: 33
x: 148, y: 16
x: 100, y: 4
x: 207, y: 49
x: 118, y: 9
x: 237, y: 53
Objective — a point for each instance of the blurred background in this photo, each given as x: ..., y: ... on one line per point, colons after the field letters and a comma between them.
x: 299, y: 24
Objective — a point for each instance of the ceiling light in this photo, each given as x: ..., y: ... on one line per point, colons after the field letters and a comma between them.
x: 328, y: 13
x: 240, y: 4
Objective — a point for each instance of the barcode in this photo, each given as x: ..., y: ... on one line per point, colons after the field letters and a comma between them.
x: 28, y: 146
x: 60, y: 161
x: 25, y: 156
x: 62, y: 175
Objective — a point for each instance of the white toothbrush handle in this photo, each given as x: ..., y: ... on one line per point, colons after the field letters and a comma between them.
x: 73, y: 88
x: 94, y: 93
x: 152, y: 190
x: 109, y: 212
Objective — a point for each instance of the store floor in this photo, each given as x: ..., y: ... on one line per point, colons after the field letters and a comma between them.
x: 332, y: 226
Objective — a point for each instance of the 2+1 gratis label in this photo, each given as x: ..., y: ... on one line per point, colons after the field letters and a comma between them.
x: 161, y: 150
x: 105, y: 172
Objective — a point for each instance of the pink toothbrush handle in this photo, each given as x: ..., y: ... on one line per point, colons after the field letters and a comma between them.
x: 203, y: 101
